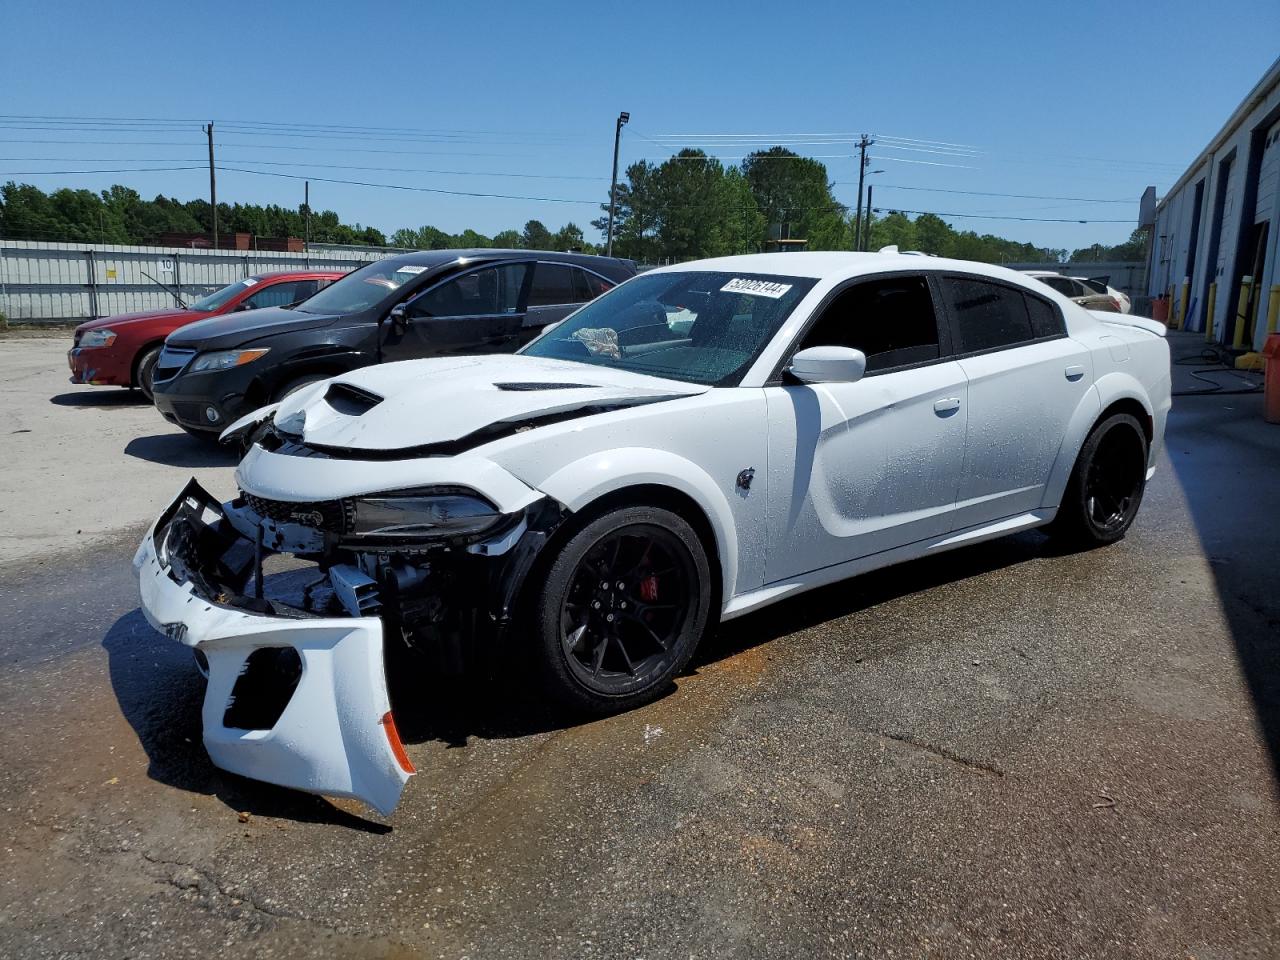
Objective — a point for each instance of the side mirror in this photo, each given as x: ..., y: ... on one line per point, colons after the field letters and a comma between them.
x: 828, y: 365
x: 399, y: 317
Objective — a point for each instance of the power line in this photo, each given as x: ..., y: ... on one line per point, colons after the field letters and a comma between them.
x: 317, y: 166
x: 67, y: 173
x: 981, y: 193
x: 398, y: 186
x: 980, y: 216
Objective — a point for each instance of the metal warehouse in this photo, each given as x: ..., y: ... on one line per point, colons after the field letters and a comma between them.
x: 1217, y: 231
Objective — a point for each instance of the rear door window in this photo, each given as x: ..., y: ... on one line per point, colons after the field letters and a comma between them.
x: 552, y: 285
x: 891, y: 320
x: 985, y: 316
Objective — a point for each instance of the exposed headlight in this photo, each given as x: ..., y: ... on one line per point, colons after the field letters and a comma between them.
x: 98, y: 338
x: 225, y: 359
x: 419, y: 515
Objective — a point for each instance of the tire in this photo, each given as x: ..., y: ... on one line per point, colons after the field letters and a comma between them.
x: 621, y: 610
x: 1106, y: 485
x: 293, y: 386
x: 146, y: 369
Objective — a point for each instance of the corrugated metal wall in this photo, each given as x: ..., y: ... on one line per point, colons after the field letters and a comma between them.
x: 49, y: 282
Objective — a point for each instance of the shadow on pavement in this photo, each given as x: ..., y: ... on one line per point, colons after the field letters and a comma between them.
x: 181, y: 450
x: 507, y: 705
x: 160, y: 693
x: 101, y: 398
x: 1227, y: 460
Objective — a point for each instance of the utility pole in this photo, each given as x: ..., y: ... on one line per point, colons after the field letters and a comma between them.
x: 863, y: 143
x: 613, y: 185
x: 306, y: 218
x: 866, y: 241
x: 213, y: 185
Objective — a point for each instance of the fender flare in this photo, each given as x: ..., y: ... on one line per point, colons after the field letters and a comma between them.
x: 1106, y: 390
x: 580, y: 483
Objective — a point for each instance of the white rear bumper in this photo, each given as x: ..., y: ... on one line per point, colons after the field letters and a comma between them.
x: 335, y: 734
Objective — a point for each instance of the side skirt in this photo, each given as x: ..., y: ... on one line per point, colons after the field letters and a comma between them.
x: 773, y: 592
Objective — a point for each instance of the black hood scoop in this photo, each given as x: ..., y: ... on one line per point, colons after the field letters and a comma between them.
x: 541, y: 385
x: 351, y: 401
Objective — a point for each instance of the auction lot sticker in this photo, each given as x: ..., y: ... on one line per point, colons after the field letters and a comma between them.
x: 756, y: 288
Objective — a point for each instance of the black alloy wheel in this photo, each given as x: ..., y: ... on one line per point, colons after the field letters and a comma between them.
x: 623, y: 608
x: 1107, y: 483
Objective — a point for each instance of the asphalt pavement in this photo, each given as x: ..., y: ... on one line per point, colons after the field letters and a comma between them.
x: 1005, y: 751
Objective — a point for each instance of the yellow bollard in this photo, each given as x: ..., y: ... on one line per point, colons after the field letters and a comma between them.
x: 1182, y: 305
x: 1213, y: 303
x: 1273, y: 309
x: 1242, y: 313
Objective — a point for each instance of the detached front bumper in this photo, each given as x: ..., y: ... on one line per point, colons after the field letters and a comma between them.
x: 293, y: 699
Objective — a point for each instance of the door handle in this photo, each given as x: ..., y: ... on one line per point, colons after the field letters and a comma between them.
x: 1074, y: 372
x: 947, y: 406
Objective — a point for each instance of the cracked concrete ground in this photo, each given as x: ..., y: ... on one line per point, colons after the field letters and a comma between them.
x: 1000, y: 752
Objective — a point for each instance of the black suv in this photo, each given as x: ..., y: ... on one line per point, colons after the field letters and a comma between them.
x: 426, y: 304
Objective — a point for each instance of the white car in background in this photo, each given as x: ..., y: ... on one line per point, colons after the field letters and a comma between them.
x: 1092, y: 293
x: 602, y: 499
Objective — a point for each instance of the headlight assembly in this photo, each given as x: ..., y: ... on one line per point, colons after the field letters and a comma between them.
x: 98, y: 338
x: 406, y: 516
x: 225, y: 359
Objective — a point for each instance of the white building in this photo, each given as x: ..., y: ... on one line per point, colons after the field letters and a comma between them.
x: 1220, y: 223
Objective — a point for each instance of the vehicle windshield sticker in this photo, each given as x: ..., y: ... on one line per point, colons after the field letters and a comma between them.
x: 410, y: 269
x: 756, y: 288
x: 248, y: 281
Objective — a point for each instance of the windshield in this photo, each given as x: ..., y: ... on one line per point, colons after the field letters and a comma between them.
x: 363, y: 288
x: 700, y: 327
x: 219, y: 298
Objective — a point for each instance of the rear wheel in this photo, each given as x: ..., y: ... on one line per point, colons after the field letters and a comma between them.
x: 621, y: 609
x: 146, y: 371
x: 1106, y: 485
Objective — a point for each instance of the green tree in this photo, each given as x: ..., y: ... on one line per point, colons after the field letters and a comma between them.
x: 507, y: 239
x: 536, y: 236
x: 794, y: 190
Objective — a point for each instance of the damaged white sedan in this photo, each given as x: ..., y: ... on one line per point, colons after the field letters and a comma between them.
x: 702, y: 441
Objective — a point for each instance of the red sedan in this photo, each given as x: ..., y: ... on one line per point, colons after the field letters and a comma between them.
x: 121, y: 351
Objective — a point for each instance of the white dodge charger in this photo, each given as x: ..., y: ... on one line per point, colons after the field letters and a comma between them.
x: 702, y: 441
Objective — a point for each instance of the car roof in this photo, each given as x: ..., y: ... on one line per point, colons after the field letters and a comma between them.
x: 296, y: 274
x: 841, y: 265
x: 435, y: 258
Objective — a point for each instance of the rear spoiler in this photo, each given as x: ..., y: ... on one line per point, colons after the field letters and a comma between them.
x: 1129, y: 320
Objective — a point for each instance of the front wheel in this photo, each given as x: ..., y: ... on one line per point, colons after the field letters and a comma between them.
x: 146, y: 371
x: 1106, y: 485
x: 622, y: 609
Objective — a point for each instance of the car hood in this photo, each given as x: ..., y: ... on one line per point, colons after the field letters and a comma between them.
x: 447, y: 405
x: 237, y: 329
x: 144, y: 316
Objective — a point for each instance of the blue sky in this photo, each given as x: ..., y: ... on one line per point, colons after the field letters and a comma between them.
x: 1084, y: 100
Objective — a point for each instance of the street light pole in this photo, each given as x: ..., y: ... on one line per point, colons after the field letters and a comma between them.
x: 613, y: 186
x: 867, y: 239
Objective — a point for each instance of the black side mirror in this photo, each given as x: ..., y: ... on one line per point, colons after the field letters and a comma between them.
x: 399, y: 317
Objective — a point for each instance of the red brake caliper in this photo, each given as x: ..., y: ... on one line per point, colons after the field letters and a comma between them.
x: 649, y: 589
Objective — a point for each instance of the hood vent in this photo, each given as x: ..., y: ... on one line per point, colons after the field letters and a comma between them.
x: 542, y: 385
x: 351, y: 401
